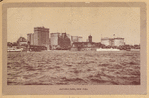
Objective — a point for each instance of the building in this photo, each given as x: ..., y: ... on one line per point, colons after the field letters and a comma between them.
x: 64, y: 41
x: 79, y: 39
x: 89, y: 45
x: 69, y: 36
x: 106, y: 41
x: 32, y: 39
x: 54, y: 40
x: 74, y: 39
x: 85, y: 46
x: 119, y: 41
x: 29, y: 37
x: 41, y: 36
x: 22, y: 41
x: 90, y: 38
x: 60, y: 41
x: 112, y: 41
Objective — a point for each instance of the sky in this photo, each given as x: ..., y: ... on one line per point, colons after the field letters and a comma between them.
x: 99, y: 22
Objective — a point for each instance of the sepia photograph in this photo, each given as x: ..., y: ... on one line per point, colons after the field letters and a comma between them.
x: 64, y: 44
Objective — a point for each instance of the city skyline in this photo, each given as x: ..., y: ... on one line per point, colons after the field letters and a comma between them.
x: 76, y: 21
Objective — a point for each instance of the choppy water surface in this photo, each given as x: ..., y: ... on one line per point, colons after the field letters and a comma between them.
x: 73, y: 68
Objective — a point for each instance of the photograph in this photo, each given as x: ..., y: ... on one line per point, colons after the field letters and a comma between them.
x: 69, y: 44
x: 79, y: 46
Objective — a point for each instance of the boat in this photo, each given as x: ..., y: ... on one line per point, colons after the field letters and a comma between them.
x: 110, y: 49
x: 14, y: 50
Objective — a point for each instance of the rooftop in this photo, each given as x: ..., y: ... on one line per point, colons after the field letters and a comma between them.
x: 21, y: 39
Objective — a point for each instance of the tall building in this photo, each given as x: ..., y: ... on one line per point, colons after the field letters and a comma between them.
x: 54, y: 40
x: 90, y: 38
x: 32, y: 39
x: 74, y: 38
x: 64, y: 41
x: 29, y: 37
x: 69, y: 36
x: 41, y: 36
x: 60, y: 41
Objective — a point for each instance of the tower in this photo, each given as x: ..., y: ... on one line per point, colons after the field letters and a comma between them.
x: 90, y: 38
x: 41, y: 36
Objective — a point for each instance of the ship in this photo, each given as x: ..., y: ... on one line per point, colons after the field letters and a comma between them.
x: 14, y: 50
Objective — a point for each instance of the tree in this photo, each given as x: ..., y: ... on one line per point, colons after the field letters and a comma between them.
x: 136, y: 46
x: 9, y: 44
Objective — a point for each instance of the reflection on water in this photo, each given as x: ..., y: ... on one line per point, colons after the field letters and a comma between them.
x: 73, y: 68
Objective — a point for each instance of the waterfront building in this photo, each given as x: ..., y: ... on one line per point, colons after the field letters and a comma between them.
x: 85, y: 46
x: 79, y: 39
x: 90, y: 38
x: 112, y: 41
x: 60, y: 41
x: 106, y: 41
x: 74, y: 39
x: 22, y: 41
x: 29, y: 37
x: 41, y: 36
x: 32, y: 39
x: 54, y: 40
x: 119, y: 41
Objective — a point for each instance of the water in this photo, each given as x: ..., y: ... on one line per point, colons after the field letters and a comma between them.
x: 73, y: 68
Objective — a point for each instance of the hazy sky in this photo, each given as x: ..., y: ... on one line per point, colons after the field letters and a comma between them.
x: 77, y: 21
